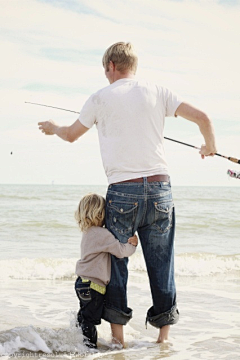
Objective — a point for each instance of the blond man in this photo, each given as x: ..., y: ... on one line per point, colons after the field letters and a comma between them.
x: 129, y: 115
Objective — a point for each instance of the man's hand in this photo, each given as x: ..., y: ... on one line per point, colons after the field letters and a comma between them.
x: 47, y: 127
x: 205, y: 151
x: 67, y: 133
x: 133, y: 240
x: 189, y: 112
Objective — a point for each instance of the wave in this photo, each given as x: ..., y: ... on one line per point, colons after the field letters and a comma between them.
x: 63, y: 343
x: 204, y: 264
x: 25, y: 225
x: 29, y: 339
x: 37, y: 269
x: 16, y: 197
x: 195, y: 264
x: 189, y: 264
x: 205, y: 200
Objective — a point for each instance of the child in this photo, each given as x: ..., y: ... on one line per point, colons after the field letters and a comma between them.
x: 94, y: 267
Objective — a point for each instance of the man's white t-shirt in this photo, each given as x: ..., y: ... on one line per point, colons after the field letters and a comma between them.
x: 129, y: 115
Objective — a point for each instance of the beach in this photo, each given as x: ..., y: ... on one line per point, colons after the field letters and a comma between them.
x: 40, y: 244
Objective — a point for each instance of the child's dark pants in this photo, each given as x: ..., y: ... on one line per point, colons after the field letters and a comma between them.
x: 90, y: 313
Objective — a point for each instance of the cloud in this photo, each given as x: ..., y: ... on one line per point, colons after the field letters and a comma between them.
x: 189, y: 46
x: 51, y: 53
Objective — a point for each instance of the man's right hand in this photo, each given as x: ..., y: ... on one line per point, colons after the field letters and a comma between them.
x: 47, y: 127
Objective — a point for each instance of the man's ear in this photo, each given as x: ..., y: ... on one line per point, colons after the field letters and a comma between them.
x: 111, y: 65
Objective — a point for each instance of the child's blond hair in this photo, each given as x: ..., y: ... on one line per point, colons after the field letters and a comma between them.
x: 91, y: 211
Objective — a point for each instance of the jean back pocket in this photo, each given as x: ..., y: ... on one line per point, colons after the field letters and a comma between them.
x: 122, y: 215
x: 83, y: 290
x: 163, y: 215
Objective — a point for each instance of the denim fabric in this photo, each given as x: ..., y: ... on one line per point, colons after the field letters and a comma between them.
x: 148, y: 209
x: 90, y: 313
x: 168, y: 318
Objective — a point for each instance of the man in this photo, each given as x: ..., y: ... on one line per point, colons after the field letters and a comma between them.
x: 129, y: 115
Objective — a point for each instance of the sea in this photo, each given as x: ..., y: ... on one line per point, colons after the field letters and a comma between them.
x: 40, y: 244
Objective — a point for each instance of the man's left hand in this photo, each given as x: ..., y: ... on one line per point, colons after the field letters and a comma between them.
x: 47, y: 127
x: 207, y: 151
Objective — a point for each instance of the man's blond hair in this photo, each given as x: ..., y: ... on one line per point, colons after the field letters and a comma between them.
x: 122, y: 55
x: 91, y: 211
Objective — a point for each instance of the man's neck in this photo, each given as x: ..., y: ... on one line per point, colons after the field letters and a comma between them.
x: 118, y: 76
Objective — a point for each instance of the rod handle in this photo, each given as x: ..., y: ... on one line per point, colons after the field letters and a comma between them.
x: 234, y: 160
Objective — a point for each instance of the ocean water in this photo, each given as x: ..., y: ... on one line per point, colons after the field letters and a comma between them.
x: 40, y: 244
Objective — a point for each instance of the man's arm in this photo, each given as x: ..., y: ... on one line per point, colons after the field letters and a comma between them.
x: 205, y: 125
x: 67, y: 133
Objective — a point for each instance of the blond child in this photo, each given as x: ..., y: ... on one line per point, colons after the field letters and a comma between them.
x: 94, y: 267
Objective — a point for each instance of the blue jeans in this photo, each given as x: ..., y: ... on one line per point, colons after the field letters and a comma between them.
x: 90, y: 313
x: 148, y: 209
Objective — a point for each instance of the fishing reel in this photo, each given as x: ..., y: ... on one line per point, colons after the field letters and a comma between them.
x: 234, y: 174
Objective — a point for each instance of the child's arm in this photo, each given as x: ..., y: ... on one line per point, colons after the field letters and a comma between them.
x: 121, y: 250
x: 108, y: 243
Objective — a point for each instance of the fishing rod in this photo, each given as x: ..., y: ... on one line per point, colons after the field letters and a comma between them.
x: 167, y: 138
x: 195, y: 147
x: 53, y: 107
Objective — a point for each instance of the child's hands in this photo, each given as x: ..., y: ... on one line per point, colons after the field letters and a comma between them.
x: 133, y: 240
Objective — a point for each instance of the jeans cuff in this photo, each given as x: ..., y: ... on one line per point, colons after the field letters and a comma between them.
x: 115, y: 316
x: 168, y: 318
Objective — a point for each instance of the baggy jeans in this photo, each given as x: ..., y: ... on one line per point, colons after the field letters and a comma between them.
x: 148, y: 209
x: 90, y: 313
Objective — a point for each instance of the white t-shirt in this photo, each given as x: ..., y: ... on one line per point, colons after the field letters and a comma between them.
x: 129, y: 115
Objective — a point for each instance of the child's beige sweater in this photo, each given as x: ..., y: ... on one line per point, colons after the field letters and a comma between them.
x: 96, y: 246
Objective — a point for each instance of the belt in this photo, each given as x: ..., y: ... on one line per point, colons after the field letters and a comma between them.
x: 149, y: 179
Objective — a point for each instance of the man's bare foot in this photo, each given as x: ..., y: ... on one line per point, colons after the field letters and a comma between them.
x: 163, y: 334
x: 117, y: 334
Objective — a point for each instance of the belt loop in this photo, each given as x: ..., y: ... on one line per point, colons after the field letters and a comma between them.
x: 145, y: 187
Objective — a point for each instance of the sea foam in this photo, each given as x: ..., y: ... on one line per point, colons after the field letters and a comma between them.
x: 46, y: 340
x: 189, y: 264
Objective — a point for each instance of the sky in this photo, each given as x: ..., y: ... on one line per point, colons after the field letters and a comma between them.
x: 51, y: 53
